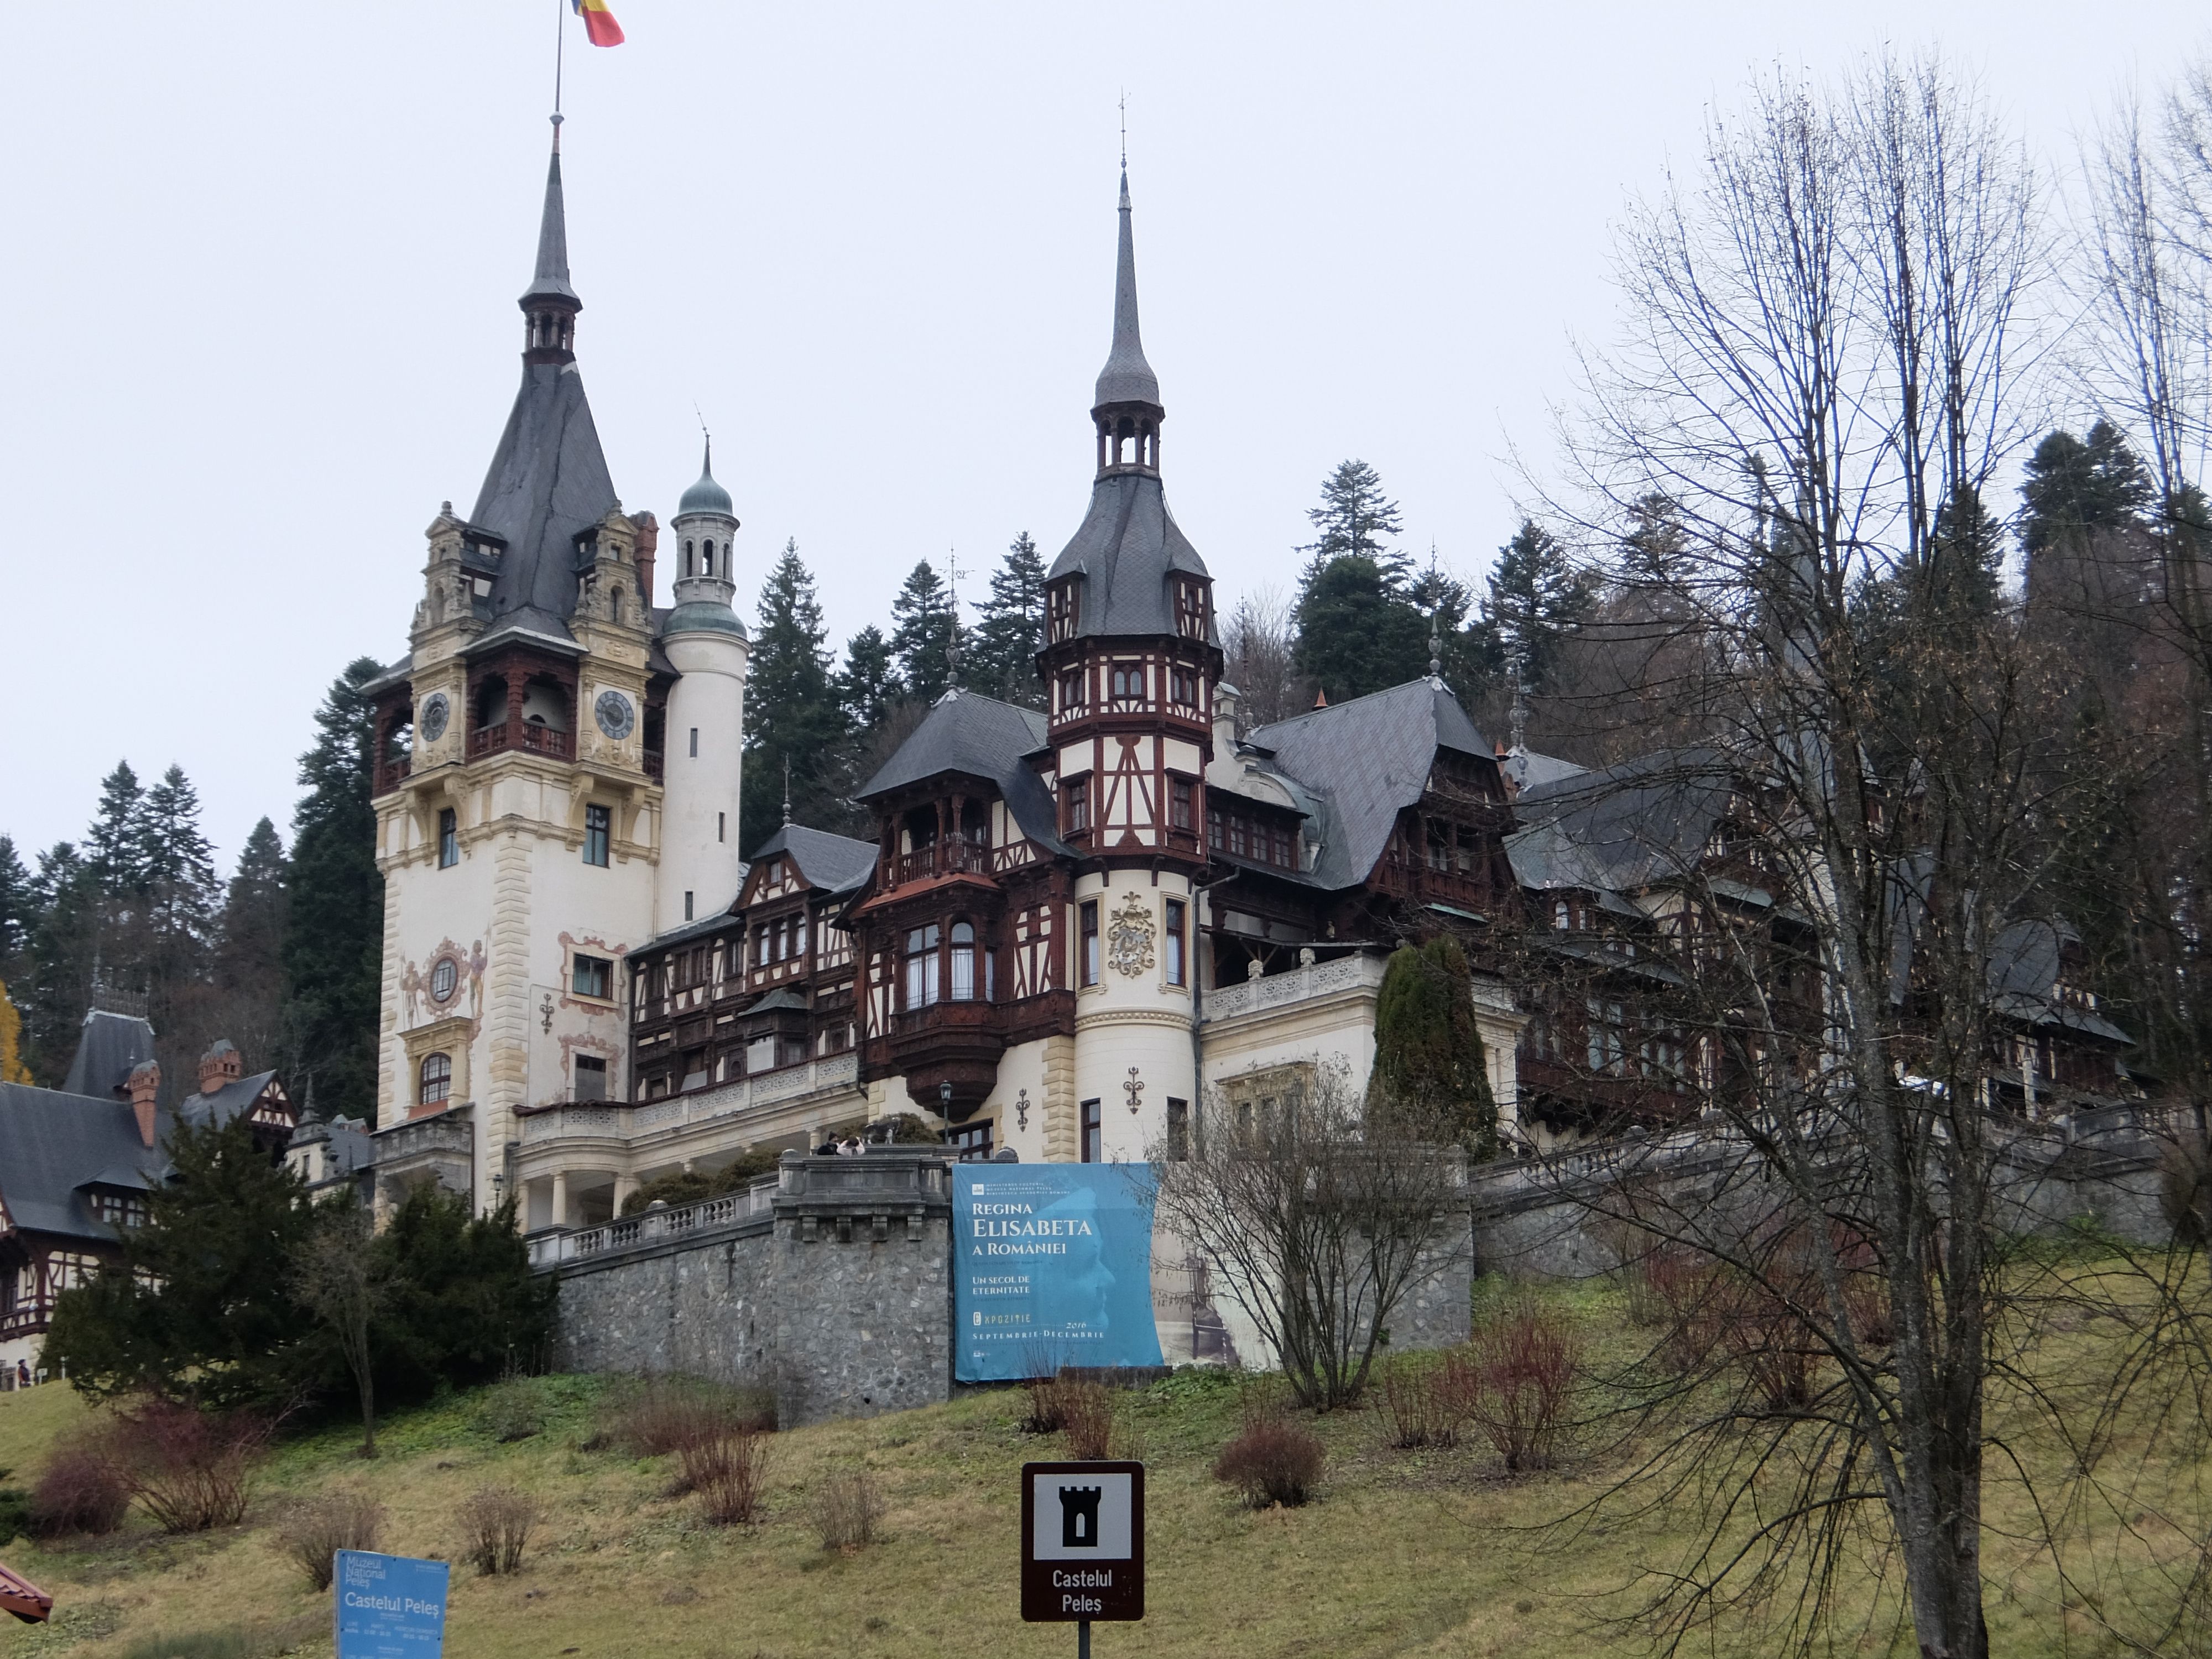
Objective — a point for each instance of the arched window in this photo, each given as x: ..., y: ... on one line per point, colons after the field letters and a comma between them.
x: 705, y: 558
x: 436, y: 1081
x: 921, y: 966
x: 963, y: 962
x: 687, y: 558
x: 614, y: 599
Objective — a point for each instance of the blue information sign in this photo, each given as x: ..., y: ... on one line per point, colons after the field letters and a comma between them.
x: 390, y: 1607
x: 1053, y: 1267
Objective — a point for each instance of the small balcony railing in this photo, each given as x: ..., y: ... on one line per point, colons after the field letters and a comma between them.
x: 956, y: 857
x: 390, y: 774
x: 535, y: 740
x: 27, y: 1318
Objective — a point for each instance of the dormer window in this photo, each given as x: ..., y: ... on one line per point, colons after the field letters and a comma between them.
x: 1190, y: 609
x: 1063, y: 609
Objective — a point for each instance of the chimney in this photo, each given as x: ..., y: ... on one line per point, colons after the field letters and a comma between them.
x: 1227, y: 699
x: 145, y: 1084
x: 220, y: 1065
x: 648, y: 541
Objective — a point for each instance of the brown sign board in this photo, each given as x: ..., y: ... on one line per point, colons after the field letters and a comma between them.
x: 1083, y: 1541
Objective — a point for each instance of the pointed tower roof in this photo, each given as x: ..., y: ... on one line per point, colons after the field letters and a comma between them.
x: 548, y: 480
x: 552, y: 275
x: 1126, y: 378
x: 706, y: 495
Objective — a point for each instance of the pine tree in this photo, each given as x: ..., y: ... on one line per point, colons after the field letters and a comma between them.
x: 921, y: 634
x: 334, y: 925
x: 19, y: 905
x: 115, y: 846
x: 868, y: 685
x: 1356, y: 632
x: 2072, y: 488
x: 1001, y: 658
x: 64, y: 947
x: 1965, y: 554
x: 1535, y: 596
x: 1431, y: 1075
x: 792, y: 711
x: 1352, y: 522
x: 12, y: 1068
x: 249, y: 953
x: 178, y: 865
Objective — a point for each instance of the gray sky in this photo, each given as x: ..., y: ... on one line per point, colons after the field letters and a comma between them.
x: 260, y: 295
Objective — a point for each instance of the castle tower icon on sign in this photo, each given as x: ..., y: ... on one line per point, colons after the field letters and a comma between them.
x: 1078, y: 1518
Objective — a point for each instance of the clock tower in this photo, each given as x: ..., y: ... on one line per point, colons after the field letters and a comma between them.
x: 523, y: 754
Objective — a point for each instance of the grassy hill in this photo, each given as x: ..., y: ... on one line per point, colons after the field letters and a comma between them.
x: 1406, y: 1554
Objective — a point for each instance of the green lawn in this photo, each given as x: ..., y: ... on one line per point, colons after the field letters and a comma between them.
x: 1417, y: 1554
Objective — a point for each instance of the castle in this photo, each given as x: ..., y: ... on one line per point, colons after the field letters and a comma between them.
x: 1071, y: 928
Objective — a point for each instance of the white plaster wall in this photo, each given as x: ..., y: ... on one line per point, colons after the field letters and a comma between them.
x: 1127, y: 1020
x: 709, y: 694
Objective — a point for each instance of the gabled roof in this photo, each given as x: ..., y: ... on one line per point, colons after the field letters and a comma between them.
x: 2024, y: 975
x: 837, y: 863
x: 1126, y: 547
x: 215, y: 1110
x: 53, y: 1144
x: 980, y: 737
x: 109, y: 1048
x: 1366, y: 760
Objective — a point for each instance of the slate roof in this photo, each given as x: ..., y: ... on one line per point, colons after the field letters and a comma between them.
x: 2023, y: 972
x: 1364, y: 761
x: 109, y: 1048
x: 1126, y: 548
x: 1625, y: 827
x: 978, y: 736
x: 204, y: 1111
x: 835, y: 862
x: 549, y: 478
x: 54, y: 1144
x: 1530, y: 770
x: 1126, y: 378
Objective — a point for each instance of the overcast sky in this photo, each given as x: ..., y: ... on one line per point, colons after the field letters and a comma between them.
x: 259, y: 315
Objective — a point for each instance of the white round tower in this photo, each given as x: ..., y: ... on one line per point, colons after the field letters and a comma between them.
x: 706, y: 717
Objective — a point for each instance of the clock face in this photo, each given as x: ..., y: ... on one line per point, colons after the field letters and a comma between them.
x: 435, y: 712
x: 615, y: 716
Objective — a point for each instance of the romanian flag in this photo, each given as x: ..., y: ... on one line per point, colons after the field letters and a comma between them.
x: 598, y: 22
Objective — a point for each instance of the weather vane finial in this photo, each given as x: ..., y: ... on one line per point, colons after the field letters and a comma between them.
x: 1125, y: 130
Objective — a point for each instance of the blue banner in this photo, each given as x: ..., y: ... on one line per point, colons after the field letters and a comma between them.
x: 1052, y: 1266
x: 389, y: 1606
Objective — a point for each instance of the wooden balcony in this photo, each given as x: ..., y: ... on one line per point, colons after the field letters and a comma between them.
x: 954, y: 857
x: 27, y: 1318
x: 390, y: 774
x: 949, y: 1043
x: 534, y: 739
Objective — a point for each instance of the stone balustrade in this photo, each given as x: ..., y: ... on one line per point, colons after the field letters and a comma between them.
x: 1356, y: 972
x: 655, y: 1226
x: 621, y: 1120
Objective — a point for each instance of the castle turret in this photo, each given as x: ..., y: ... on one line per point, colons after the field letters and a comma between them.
x: 706, y: 643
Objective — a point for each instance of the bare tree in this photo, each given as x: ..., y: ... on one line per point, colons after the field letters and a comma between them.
x: 1258, y: 642
x: 339, y: 1281
x: 1318, y: 1223
x: 1829, y: 332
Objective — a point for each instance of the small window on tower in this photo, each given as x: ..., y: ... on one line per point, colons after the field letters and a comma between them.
x: 1077, y: 790
x: 1180, y: 791
x: 449, y: 838
x: 694, y: 742
x: 598, y: 820
x: 687, y: 558
x: 721, y: 825
x: 1088, y: 931
x: 1177, y: 911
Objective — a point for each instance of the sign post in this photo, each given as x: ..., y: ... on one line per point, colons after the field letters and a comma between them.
x: 389, y: 1606
x: 1082, y: 1545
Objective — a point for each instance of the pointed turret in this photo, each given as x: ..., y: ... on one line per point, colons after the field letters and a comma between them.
x: 552, y: 277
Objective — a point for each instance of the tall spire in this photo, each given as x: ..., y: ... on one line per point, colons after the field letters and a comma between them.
x: 1126, y: 378
x: 549, y: 303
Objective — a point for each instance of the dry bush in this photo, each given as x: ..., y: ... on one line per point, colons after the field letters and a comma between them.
x: 1041, y: 1397
x: 496, y: 1522
x: 191, y: 1469
x: 321, y: 1527
x: 1525, y: 1363
x: 1276, y: 1460
x: 653, y: 1416
x: 1086, y: 1418
x: 2185, y: 1190
x: 1427, y: 1402
x: 728, y: 1468
x: 79, y: 1490
x: 1768, y: 1343
x: 845, y: 1509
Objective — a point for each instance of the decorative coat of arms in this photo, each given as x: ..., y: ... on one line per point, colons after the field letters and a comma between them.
x: 1129, y: 937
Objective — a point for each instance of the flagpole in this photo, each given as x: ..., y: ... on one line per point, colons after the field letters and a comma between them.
x: 560, y: 43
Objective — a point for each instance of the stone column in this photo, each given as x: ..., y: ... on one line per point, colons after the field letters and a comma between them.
x: 560, y: 1215
x: 624, y: 1185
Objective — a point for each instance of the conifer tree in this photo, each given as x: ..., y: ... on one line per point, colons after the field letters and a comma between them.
x: 334, y: 925
x: 115, y: 845
x: 2072, y: 487
x: 1353, y: 520
x: 249, y: 954
x: 64, y: 946
x: 1431, y: 1075
x: 1535, y: 596
x: 792, y: 713
x: 921, y: 634
x: 1001, y: 658
x: 19, y: 906
x: 868, y: 685
x: 1358, y: 634
x: 178, y: 867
